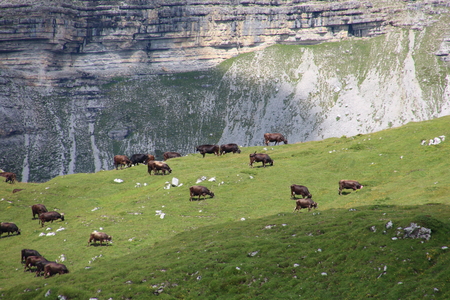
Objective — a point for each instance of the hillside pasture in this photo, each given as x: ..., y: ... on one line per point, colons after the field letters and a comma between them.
x: 246, y: 242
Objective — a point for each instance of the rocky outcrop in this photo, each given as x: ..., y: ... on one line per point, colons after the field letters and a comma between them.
x: 84, y: 80
x: 52, y: 42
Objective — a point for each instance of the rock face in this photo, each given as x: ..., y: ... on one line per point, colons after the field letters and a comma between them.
x: 50, y: 42
x: 82, y: 81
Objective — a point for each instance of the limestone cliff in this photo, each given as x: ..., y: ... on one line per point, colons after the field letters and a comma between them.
x: 84, y: 80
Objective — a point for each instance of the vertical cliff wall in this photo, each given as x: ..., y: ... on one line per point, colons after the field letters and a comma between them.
x: 82, y: 81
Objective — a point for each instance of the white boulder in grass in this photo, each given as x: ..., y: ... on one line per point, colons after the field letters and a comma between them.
x: 176, y: 182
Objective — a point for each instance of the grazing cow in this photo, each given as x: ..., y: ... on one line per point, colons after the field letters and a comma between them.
x: 40, y: 265
x: 38, y: 209
x: 227, y: 148
x: 300, y: 190
x: 121, y: 160
x: 28, y: 252
x: 168, y: 155
x: 274, y: 137
x: 50, y: 217
x: 31, y: 261
x: 139, y: 158
x: 9, y: 228
x: 11, y: 177
x: 99, y: 236
x: 349, y: 184
x: 157, y: 166
x: 51, y: 269
x: 199, y: 190
x: 304, y: 203
x: 260, y: 157
x: 211, y: 149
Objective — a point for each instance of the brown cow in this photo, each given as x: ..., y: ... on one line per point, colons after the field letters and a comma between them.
x: 260, y: 157
x: 304, y: 203
x: 274, y: 137
x: 50, y: 217
x: 121, y: 160
x: 157, y: 166
x: 199, y: 190
x: 31, y: 261
x: 9, y: 228
x: 211, y: 149
x: 38, y: 209
x: 300, y: 190
x: 349, y: 184
x: 40, y: 265
x: 99, y: 236
x: 11, y: 177
x: 54, y: 268
x: 169, y: 154
x: 227, y: 148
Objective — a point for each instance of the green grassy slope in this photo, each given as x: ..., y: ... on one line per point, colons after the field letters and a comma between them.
x: 246, y: 242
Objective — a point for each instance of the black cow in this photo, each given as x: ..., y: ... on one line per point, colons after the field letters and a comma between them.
x: 28, y: 252
x: 349, y: 184
x: 139, y: 158
x: 260, y: 157
x: 199, y: 190
x: 168, y: 155
x: 274, y: 137
x: 9, y: 228
x: 304, y: 203
x: 227, y: 148
x: 300, y: 190
x: 38, y: 209
x: 50, y: 217
x: 211, y: 149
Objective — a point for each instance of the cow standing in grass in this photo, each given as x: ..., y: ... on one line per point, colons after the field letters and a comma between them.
x: 9, y: 227
x: 199, y: 190
x: 260, y: 157
x: 349, y: 184
x: 121, y: 160
x: 274, y: 137
x: 54, y: 268
x: 38, y: 209
x: 99, y: 236
x: 300, y: 190
x: 304, y: 203
x: 50, y: 217
x: 227, y: 148
x: 28, y: 252
x: 157, y: 166
x: 11, y: 177
x: 211, y: 149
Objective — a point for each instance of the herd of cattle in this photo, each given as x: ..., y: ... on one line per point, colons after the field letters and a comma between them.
x: 32, y: 258
x: 201, y: 191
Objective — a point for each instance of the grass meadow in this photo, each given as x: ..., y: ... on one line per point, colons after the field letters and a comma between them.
x: 246, y: 242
